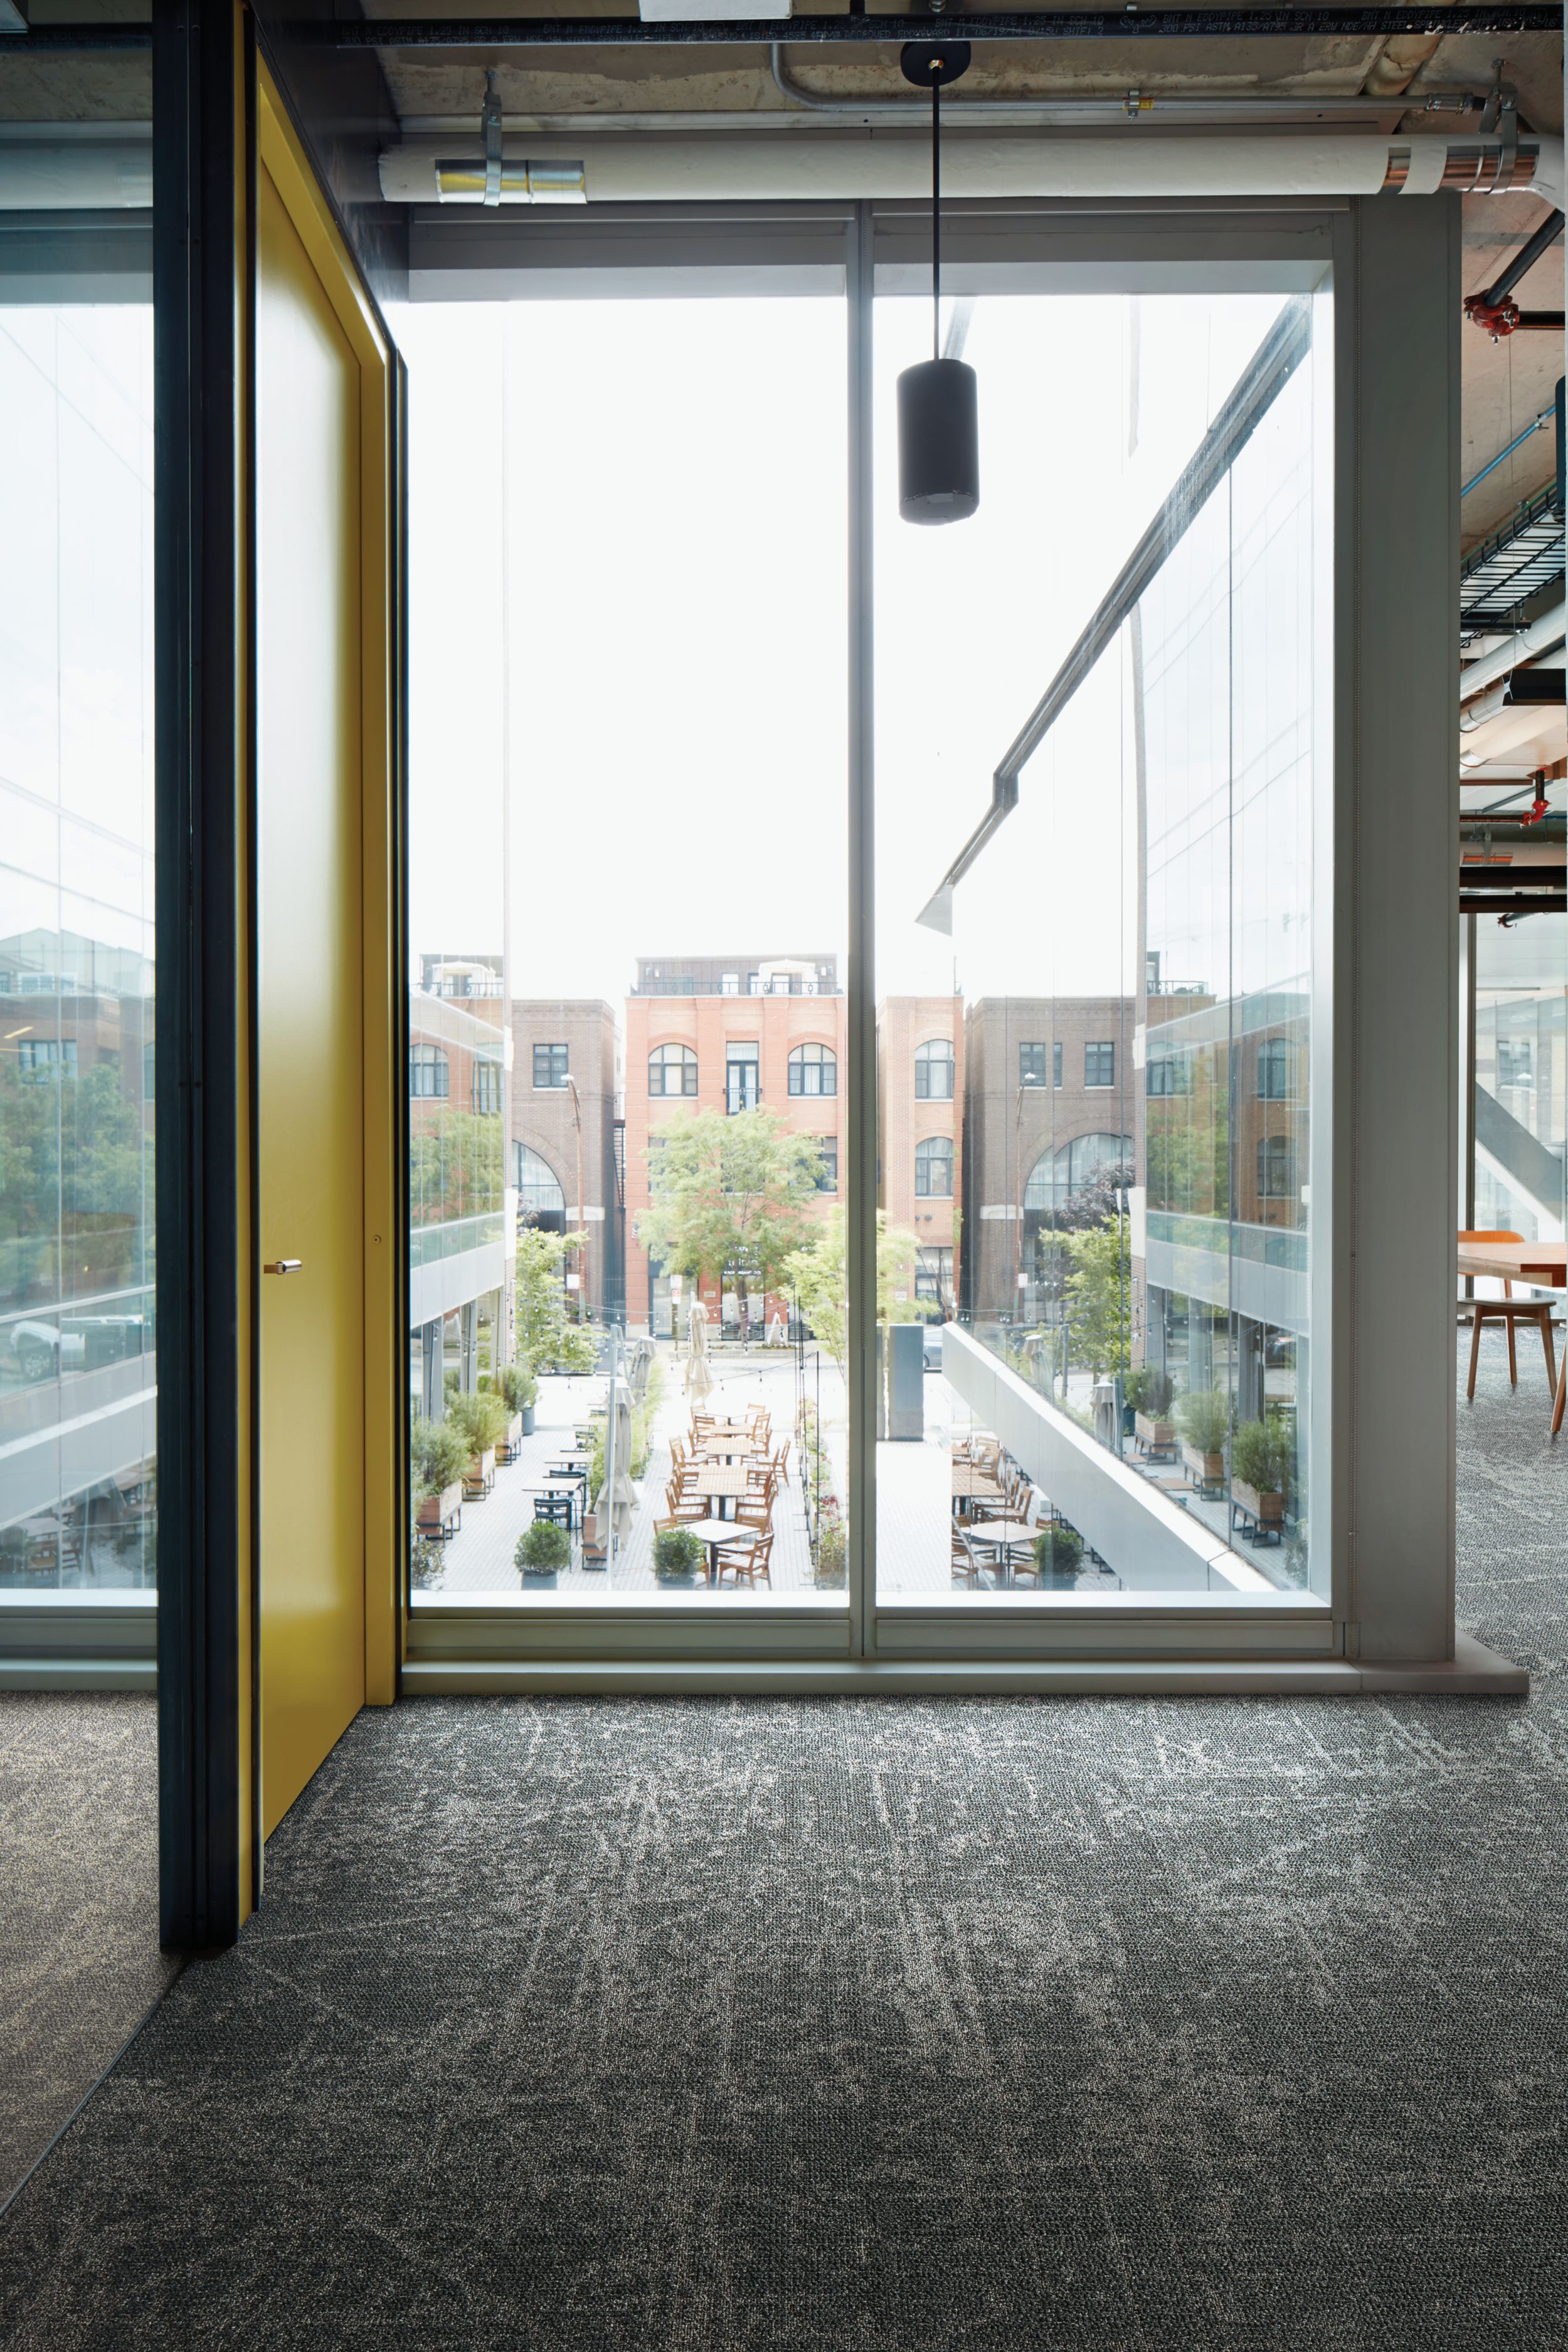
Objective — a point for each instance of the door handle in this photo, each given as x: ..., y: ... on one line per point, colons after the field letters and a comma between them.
x: 284, y: 1265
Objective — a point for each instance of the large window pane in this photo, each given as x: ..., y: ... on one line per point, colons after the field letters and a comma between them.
x: 627, y: 698
x: 78, y: 1474
x: 1118, y: 1403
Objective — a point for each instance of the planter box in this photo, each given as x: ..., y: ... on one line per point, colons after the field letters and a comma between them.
x: 507, y: 1449
x: 1155, y: 1436
x: 480, y: 1477
x: 1204, y: 1469
x: 544, y: 1577
x: 441, y: 1514
x: 685, y: 1576
x: 1267, y: 1509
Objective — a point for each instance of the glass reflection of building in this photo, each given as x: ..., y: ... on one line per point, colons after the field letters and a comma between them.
x: 77, y: 1380
x: 459, y: 1272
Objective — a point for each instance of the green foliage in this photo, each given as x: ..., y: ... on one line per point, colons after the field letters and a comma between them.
x: 1147, y: 1390
x: 677, y: 1551
x: 455, y: 1166
x: 542, y: 1548
x: 76, y: 1181
x: 643, y: 1416
x: 519, y: 1386
x: 1098, y: 1301
x: 1058, y: 1549
x: 480, y: 1419
x: 816, y: 1273
x: 729, y: 1195
x: 1186, y: 1155
x: 1263, y: 1454
x: 439, y: 1454
x: 831, y: 1542
x: 1203, y: 1417
x: 546, y: 1338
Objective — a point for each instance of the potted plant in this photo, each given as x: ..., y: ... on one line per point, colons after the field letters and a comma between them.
x: 1147, y: 1390
x: 678, y: 1555
x: 543, y: 1549
x: 438, y: 1454
x: 1058, y: 1549
x: 1261, y: 1471
x: 1203, y: 1417
x: 479, y: 1418
x: 519, y: 1387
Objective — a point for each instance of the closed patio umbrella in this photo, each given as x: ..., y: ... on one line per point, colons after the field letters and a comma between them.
x: 699, y: 1378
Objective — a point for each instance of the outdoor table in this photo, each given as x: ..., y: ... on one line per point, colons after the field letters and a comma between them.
x: 1007, y: 1534
x: 730, y: 1449
x: 570, y: 1488
x: 1544, y: 1265
x: 969, y: 1484
x: 717, y: 1484
x: 713, y: 1533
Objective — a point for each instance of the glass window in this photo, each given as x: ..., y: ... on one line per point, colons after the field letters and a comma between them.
x: 1100, y: 1065
x: 539, y: 1193
x: 550, y: 1066
x: 1032, y: 1065
x: 814, y: 1070
x: 487, y: 1085
x: 429, y: 1073
x: 742, y: 1087
x: 934, y: 1071
x: 1276, y: 1166
x: 672, y: 1070
x: 933, y: 1169
x: 933, y: 1274
x: 1273, y: 1070
x: 78, y: 1004
x: 1057, y: 1064
x: 827, y: 1146
x: 1088, y: 1163
x: 1167, y: 1072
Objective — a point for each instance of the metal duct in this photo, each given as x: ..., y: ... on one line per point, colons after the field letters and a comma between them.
x: 46, y: 176
x: 1525, y: 645
x: 633, y: 167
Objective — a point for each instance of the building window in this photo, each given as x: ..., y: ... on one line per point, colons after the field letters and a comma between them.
x: 538, y: 1192
x: 1273, y: 1070
x: 1276, y: 1168
x: 933, y: 1169
x: 487, y: 1088
x: 730, y: 983
x: 1169, y: 1072
x: 1031, y: 1066
x: 828, y: 1178
x: 1057, y: 1064
x: 1100, y: 1065
x: 427, y: 1073
x: 43, y: 1060
x: 814, y: 1070
x: 551, y: 1064
x: 934, y: 1071
x: 672, y: 1070
x: 934, y: 1274
x: 1060, y: 1176
x: 149, y: 1073
x: 1513, y: 1063
x: 742, y: 1090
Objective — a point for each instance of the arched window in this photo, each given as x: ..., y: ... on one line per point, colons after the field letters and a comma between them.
x: 934, y: 1070
x: 933, y: 1169
x: 672, y: 1070
x: 538, y: 1192
x: 1057, y: 1177
x: 814, y: 1070
x: 428, y: 1072
x: 1274, y: 1070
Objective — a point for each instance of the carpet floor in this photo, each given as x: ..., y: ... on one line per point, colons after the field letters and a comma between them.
x: 79, y: 1964
x: 953, y: 2025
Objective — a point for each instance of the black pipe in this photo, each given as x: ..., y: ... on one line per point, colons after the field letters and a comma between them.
x: 1527, y: 257
x: 744, y: 32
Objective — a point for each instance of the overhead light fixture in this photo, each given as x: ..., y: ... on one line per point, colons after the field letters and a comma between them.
x: 939, y: 417
x: 493, y: 178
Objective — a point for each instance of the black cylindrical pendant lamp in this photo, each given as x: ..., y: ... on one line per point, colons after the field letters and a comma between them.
x: 939, y: 442
x: 939, y: 414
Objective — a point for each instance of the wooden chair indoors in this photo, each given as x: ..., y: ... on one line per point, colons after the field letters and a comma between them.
x: 1508, y: 1311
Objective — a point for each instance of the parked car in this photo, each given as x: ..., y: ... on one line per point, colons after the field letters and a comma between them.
x: 77, y: 1343
x: 39, y: 1350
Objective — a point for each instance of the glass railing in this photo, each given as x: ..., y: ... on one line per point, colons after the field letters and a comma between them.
x: 427, y: 1244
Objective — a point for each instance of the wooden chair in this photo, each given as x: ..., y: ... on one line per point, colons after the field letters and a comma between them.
x: 1508, y: 1311
x: 965, y: 1567
x: 750, y: 1561
x: 683, y: 1509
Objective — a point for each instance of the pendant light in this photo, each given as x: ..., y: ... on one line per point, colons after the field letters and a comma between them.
x: 939, y: 421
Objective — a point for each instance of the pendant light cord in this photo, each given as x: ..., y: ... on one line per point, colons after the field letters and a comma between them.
x: 936, y: 220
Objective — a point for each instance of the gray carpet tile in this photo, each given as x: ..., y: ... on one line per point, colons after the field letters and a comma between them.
x: 970, y: 2024
x: 79, y: 1964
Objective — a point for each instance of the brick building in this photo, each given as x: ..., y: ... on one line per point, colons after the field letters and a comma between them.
x: 566, y: 1085
x: 728, y: 1033
x: 920, y: 1144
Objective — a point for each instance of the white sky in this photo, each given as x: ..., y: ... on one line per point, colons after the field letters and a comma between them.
x: 669, y: 478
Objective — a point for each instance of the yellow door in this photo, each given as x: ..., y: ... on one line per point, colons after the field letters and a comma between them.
x: 310, y: 1014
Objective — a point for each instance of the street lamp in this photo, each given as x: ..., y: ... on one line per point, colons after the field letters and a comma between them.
x: 582, y: 1220
x: 1026, y: 1085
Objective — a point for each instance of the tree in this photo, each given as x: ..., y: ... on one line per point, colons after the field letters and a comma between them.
x: 455, y: 1167
x: 545, y: 1336
x: 731, y: 1195
x: 816, y: 1273
x: 1097, y: 1294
